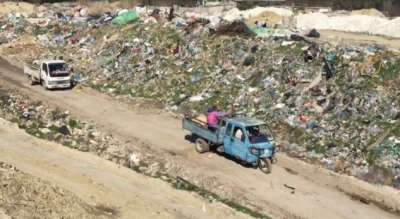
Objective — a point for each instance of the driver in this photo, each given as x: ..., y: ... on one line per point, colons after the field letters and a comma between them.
x: 253, y: 133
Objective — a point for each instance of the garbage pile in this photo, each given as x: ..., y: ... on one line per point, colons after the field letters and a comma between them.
x: 329, y: 103
x: 49, y: 123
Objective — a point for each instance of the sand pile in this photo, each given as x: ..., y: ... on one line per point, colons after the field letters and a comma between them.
x: 21, y: 7
x: 369, y: 12
x: 270, y: 18
x: 235, y: 14
x: 26, y: 47
x: 352, y: 23
x: 271, y: 14
x: 26, y: 39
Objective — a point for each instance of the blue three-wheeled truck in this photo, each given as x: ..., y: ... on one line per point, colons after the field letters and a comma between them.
x: 247, y: 139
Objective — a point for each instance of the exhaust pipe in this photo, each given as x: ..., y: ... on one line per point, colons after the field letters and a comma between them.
x: 309, y: 57
x: 312, y: 52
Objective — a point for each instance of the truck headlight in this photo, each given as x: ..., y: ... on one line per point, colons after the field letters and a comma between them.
x: 267, y: 151
x: 254, y: 150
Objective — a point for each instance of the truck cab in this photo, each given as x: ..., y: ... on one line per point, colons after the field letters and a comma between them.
x: 248, y: 139
x: 55, y: 74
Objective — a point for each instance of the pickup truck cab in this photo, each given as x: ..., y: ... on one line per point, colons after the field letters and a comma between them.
x: 247, y: 139
x: 50, y: 74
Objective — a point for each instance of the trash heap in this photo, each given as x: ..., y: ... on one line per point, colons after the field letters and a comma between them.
x: 333, y: 104
x: 47, y: 122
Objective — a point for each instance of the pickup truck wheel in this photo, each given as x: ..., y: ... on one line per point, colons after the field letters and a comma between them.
x: 44, y: 85
x: 265, y: 165
x: 202, y: 146
x: 31, y: 81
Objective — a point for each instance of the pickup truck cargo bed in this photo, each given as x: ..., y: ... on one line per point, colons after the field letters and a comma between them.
x: 200, y: 129
x: 31, y: 70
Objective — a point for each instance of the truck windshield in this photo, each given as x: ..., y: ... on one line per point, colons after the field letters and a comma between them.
x: 58, y: 69
x: 260, y: 134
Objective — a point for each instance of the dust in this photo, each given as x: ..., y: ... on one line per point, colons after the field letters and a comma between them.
x: 270, y: 18
x: 24, y: 196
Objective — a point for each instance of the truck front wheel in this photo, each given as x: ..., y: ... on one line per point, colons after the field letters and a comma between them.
x: 202, y: 146
x: 265, y: 165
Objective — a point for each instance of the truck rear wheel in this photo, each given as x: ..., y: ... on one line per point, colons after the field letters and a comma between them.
x: 202, y: 146
x: 44, y: 85
x: 265, y: 165
x: 31, y: 80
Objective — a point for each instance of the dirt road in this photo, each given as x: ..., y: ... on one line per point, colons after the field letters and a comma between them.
x: 109, y: 190
x: 359, y: 38
x: 316, y: 189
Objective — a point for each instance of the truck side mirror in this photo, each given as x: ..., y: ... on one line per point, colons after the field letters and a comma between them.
x: 242, y: 138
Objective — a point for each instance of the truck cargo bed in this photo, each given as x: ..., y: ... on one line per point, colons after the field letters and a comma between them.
x: 32, y: 70
x: 200, y: 129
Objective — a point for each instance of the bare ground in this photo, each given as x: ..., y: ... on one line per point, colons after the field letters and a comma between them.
x: 359, y: 38
x: 25, y: 196
x: 318, y: 192
x: 75, y: 184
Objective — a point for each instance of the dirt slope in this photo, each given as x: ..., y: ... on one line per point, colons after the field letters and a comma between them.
x: 316, y: 190
x: 24, y: 196
x: 106, y: 188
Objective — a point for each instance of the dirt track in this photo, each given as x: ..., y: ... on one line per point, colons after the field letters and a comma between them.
x: 316, y: 189
x: 359, y: 38
x: 107, y: 189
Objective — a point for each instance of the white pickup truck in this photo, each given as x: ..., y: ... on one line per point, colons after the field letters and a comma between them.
x: 51, y: 74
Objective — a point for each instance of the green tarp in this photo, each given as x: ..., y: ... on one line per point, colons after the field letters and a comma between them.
x: 266, y: 30
x: 126, y: 17
x: 260, y: 31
